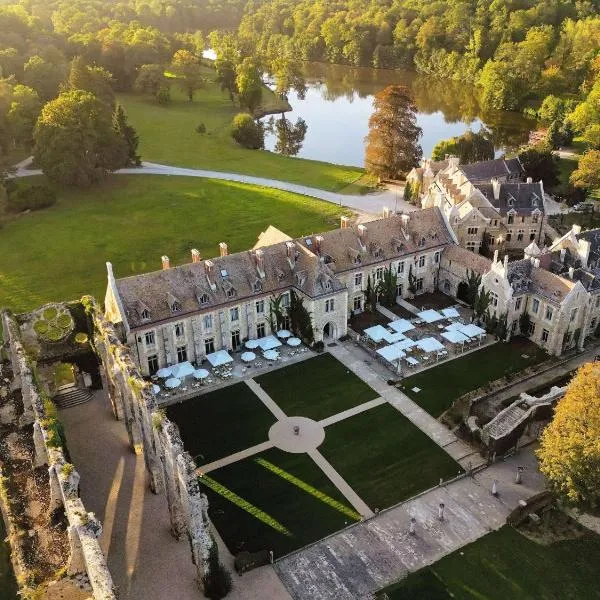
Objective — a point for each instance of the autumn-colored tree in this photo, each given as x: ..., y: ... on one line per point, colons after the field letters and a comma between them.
x: 570, y: 446
x: 393, y: 140
x: 587, y: 174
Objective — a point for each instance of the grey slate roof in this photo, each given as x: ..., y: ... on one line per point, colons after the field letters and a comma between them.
x: 307, y: 264
x: 524, y: 198
x: 484, y: 171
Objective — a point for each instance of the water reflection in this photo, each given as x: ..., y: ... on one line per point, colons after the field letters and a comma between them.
x: 339, y: 101
x: 289, y: 136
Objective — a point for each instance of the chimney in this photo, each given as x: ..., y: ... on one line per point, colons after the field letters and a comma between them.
x: 209, y: 266
x: 576, y: 229
x: 165, y: 263
x: 344, y: 222
x: 506, y: 262
x: 496, y: 188
x: 495, y: 256
x: 405, y: 220
x: 453, y: 161
x: 571, y: 272
x: 362, y: 231
x: 536, y: 263
x: 289, y: 249
x: 318, y: 241
x: 223, y: 249
x: 386, y: 212
x: 259, y: 258
x: 563, y: 252
x: 195, y: 255
x: 530, y: 180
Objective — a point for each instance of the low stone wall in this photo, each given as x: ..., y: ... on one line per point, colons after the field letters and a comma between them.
x: 172, y: 470
x: 83, y: 528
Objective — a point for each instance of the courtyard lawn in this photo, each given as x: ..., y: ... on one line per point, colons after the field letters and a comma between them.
x: 168, y: 135
x: 221, y: 423
x: 384, y: 457
x: 441, y: 385
x: 316, y: 388
x: 505, y: 564
x: 276, y: 501
x: 60, y: 253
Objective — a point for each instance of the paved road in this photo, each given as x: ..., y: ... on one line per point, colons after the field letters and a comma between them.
x: 369, y: 203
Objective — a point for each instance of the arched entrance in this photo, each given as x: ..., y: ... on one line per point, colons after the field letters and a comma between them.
x: 329, y: 332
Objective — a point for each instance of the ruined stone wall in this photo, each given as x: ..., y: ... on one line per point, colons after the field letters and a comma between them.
x: 83, y: 529
x: 171, y: 468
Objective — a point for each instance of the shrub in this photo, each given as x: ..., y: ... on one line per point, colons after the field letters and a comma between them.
x: 33, y: 197
x: 163, y: 96
x: 247, y: 132
x: 64, y: 321
x: 41, y: 327
x: 318, y: 346
x: 50, y: 313
x: 217, y: 582
x: 201, y: 128
x: 81, y: 338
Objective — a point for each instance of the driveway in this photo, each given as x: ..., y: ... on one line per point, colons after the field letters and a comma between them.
x: 368, y: 203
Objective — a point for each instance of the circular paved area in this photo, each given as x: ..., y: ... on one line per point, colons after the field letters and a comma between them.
x: 309, y: 436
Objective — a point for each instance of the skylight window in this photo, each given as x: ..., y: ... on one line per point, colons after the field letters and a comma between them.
x: 223, y: 272
x: 308, y: 241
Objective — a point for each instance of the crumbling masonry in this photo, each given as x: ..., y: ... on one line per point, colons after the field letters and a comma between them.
x: 171, y: 468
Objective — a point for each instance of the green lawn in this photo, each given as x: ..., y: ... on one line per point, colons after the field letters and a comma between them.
x: 316, y: 388
x: 441, y: 385
x: 384, y: 457
x: 167, y: 135
x: 60, y: 253
x: 505, y: 565
x: 276, y: 501
x: 221, y: 423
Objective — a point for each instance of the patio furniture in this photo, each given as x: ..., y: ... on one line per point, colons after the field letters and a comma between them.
x: 164, y: 373
x: 252, y: 344
x: 377, y: 333
x: 284, y: 334
x: 220, y: 358
x: 450, y: 313
x: 155, y: 389
x: 248, y: 357
x: 201, y: 374
x: 412, y: 361
x: 430, y: 344
x: 269, y: 343
x: 401, y: 326
x: 294, y: 342
x: 172, y: 383
x: 271, y: 355
x: 430, y: 316
x: 182, y: 369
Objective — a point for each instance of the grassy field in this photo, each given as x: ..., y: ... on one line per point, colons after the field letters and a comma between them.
x: 504, y: 565
x: 384, y: 457
x: 440, y: 386
x: 276, y: 501
x: 60, y: 253
x: 167, y: 135
x: 221, y: 423
x: 317, y: 388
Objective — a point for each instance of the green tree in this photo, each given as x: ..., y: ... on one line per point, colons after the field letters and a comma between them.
x: 300, y: 319
x: 95, y: 80
x: 188, y: 70
x: 592, y: 136
x: 587, y: 174
x: 128, y: 134
x: 387, y: 287
x: 43, y: 76
x: 150, y: 80
x: 247, y: 132
x: 482, y: 303
x: 249, y: 84
x: 75, y: 142
x: 25, y: 106
x: 569, y: 450
x: 524, y: 323
x: 540, y: 163
x: 393, y: 140
x: 470, y: 147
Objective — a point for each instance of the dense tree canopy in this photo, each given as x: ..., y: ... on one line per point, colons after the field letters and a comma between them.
x: 570, y: 446
x: 587, y: 174
x: 393, y: 140
x: 75, y: 141
x: 469, y: 147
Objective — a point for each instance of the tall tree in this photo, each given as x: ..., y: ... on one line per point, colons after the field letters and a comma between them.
x: 470, y: 147
x: 587, y: 174
x: 150, y: 80
x: 540, y: 163
x: 24, y: 110
x: 75, y: 142
x: 569, y: 452
x: 249, y: 84
x: 188, y: 70
x: 43, y: 76
x: 95, y: 80
x: 128, y: 134
x: 393, y: 140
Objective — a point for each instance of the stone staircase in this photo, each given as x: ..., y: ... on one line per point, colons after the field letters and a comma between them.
x: 69, y: 395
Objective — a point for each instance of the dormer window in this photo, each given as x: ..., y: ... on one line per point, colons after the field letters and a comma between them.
x: 257, y: 286
x: 230, y: 293
x: 175, y: 307
x: 421, y: 242
x: 204, y: 299
x: 145, y: 315
x: 511, y: 201
x: 328, y: 285
x: 534, y: 202
x: 378, y: 253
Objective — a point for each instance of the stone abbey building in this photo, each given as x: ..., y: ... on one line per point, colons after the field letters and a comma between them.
x: 187, y: 311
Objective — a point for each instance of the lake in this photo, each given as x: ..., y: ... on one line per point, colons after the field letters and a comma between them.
x: 339, y: 102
